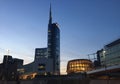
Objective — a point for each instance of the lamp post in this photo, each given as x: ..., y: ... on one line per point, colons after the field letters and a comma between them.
x: 104, y: 58
x: 104, y: 54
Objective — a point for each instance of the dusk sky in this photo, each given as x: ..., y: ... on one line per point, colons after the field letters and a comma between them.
x: 85, y: 25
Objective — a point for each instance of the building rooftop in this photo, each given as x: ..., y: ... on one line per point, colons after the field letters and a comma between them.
x: 113, y: 43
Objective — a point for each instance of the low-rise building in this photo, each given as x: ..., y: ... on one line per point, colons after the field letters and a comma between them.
x: 42, y: 65
x: 110, y: 54
x: 10, y: 68
x: 79, y: 66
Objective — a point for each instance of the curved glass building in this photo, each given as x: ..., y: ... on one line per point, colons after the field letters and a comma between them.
x: 79, y: 65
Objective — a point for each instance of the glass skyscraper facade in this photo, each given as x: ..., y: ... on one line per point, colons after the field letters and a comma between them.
x: 47, y: 60
x: 40, y: 53
x: 54, y: 44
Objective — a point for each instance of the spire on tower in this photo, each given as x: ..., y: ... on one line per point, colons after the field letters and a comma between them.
x: 50, y: 15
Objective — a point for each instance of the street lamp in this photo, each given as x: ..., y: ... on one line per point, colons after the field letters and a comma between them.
x: 104, y: 58
x: 105, y: 63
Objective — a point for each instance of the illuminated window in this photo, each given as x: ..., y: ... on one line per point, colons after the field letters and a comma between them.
x: 41, y: 67
x: 81, y: 65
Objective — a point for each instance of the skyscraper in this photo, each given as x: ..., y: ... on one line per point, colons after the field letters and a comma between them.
x: 54, y: 44
x: 47, y: 60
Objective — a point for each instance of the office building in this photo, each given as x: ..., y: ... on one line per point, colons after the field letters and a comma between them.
x: 10, y: 68
x: 54, y: 44
x: 42, y: 64
x: 40, y: 53
x: 110, y: 54
x: 47, y: 60
x: 107, y: 65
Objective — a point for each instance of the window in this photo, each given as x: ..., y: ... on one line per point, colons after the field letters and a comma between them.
x: 49, y: 49
x: 49, y: 31
x: 41, y: 66
x: 49, y: 43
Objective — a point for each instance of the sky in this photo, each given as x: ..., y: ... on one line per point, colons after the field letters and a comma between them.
x: 85, y: 27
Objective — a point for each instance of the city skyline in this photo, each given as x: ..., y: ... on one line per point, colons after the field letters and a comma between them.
x: 86, y: 26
